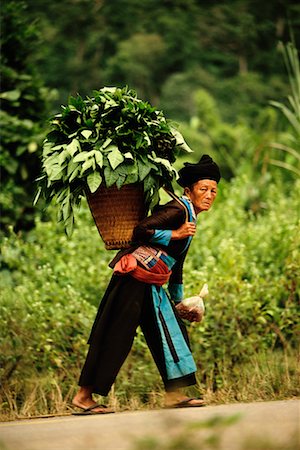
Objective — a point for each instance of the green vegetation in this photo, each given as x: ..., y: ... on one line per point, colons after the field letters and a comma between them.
x: 24, y: 105
x: 214, y: 68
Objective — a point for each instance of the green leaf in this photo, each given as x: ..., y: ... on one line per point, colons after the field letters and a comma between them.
x: 69, y: 224
x: 106, y: 143
x: 50, y: 162
x: 143, y: 169
x: 83, y: 156
x: 132, y: 178
x: 47, y: 148
x: 74, y: 174
x: 64, y: 194
x: 89, y: 123
x: 166, y: 164
x: 37, y: 196
x: 126, y: 169
x: 86, y: 133
x: 110, y: 104
x: 120, y: 181
x: 154, y: 199
x: 110, y: 176
x: 66, y: 209
x: 62, y: 157
x: 149, y: 183
x: 59, y: 147
x: 71, y: 167
x: 73, y: 147
x: 56, y: 173
x: 180, y: 142
x: 98, y: 158
x: 128, y: 155
x: 55, y: 136
x: 147, y: 139
x: 87, y: 165
x: 11, y: 96
x: 115, y: 157
x: 94, y: 180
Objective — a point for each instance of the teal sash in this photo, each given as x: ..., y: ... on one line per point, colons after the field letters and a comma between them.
x: 178, y: 357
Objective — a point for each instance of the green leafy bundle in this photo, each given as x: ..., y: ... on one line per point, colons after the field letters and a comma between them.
x: 110, y: 138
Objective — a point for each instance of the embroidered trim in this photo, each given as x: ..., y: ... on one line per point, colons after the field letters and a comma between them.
x: 149, y: 256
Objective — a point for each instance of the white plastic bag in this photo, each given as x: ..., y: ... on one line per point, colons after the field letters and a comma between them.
x: 197, y: 300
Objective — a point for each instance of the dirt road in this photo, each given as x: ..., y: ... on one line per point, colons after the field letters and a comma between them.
x: 243, y: 426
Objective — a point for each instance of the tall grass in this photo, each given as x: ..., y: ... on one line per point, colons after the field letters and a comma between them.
x: 291, y: 112
x: 266, y: 376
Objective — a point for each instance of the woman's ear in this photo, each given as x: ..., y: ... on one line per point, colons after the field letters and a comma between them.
x: 187, y: 191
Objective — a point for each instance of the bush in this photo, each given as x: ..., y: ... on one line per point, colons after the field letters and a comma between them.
x: 251, y: 263
x: 24, y: 107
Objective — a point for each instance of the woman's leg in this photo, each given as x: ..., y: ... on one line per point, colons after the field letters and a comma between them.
x: 112, y: 337
x: 152, y: 335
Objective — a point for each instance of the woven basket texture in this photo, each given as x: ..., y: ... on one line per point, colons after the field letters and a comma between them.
x: 116, y: 212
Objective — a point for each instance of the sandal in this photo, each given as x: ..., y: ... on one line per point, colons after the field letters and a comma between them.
x: 187, y: 403
x: 89, y: 411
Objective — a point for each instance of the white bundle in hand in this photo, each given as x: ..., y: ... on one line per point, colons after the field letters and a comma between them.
x: 197, y: 300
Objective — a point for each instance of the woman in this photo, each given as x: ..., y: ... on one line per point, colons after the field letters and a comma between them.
x: 135, y: 297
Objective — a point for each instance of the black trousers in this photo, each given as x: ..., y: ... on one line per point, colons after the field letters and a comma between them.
x: 127, y: 303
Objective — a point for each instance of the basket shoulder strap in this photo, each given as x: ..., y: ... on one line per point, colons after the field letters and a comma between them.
x: 175, y: 197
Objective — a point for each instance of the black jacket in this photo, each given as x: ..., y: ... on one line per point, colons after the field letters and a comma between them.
x: 167, y: 217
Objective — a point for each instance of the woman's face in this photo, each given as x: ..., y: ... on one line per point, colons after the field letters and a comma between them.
x: 202, y: 194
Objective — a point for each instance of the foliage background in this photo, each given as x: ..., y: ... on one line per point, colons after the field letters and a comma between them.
x: 213, y: 68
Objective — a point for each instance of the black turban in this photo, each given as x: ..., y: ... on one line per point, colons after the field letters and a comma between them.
x: 205, y: 169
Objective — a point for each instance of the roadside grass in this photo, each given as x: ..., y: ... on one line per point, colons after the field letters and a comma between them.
x: 267, y: 376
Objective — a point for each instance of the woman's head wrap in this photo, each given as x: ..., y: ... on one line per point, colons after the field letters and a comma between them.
x: 205, y: 169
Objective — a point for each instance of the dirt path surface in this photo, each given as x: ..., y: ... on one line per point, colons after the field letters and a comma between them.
x: 242, y: 426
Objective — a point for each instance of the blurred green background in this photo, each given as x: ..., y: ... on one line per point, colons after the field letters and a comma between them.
x: 214, y: 68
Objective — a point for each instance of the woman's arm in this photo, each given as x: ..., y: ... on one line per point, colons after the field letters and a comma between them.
x: 158, y: 228
x: 166, y: 224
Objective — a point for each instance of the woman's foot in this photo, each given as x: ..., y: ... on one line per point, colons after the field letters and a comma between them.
x: 178, y: 400
x: 83, y: 400
x: 189, y: 402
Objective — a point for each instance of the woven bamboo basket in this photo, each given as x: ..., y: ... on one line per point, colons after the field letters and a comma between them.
x: 116, y: 212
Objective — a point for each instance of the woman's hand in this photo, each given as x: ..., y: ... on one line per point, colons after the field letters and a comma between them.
x: 193, y: 314
x: 186, y: 230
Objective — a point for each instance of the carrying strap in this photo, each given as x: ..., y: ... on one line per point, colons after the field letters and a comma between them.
x: 174, y: 196
x: 187, y: 215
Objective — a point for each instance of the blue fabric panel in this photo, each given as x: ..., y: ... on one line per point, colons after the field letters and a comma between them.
x: 191, y: 219
x: 161, y: 237
x: 186, y: 364
x: 176, y: 292
x: 152, y: 263
x: 168, y: 260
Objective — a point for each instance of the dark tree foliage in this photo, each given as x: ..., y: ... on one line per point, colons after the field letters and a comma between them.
x: 89, y: 44
x: 166, y: 50
x: 23, y: 108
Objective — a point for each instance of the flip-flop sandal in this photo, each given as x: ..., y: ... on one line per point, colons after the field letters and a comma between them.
x: 89, y: 411
x: 187, y: 403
